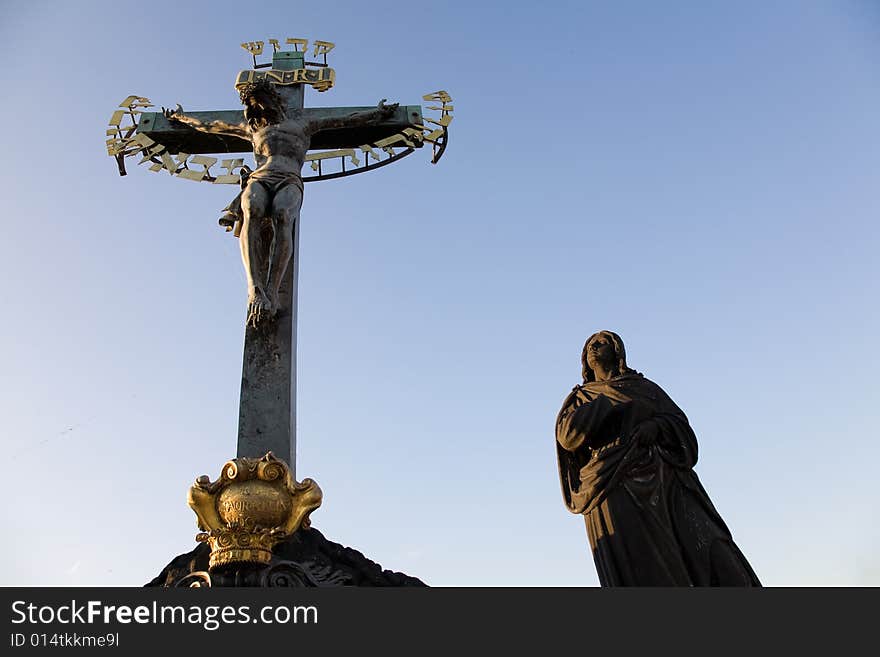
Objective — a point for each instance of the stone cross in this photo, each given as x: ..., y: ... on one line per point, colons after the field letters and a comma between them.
x: 267, y: 413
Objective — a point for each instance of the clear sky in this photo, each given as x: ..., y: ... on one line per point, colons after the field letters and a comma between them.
x: 700, y: 177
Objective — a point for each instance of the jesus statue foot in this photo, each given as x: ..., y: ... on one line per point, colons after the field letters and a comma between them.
x: 275, y: 301
x: 260, y: 309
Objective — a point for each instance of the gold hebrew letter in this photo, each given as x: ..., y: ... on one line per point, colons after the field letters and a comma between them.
x: 136, y: 101
x: 444, y: 121
x: 368, y: 151
x: 322, y: 48
x: 414, y: 134
x: 254, y: 47
x: 201, y: 160
x: 149, y: 147
x: 297, y: 43
x: 229, y: 178
x: 169, y: 163
x: 442, y: 96
x: 434, y: 136
x: 384, y: 144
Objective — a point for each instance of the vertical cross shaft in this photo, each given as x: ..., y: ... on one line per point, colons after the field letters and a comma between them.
x: 267, y: 411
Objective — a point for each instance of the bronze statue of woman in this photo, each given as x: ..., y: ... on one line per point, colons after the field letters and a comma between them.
x: 626, y: 455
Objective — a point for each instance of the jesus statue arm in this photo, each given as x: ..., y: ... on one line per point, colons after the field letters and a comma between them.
x: 354, y: 119
x: 214, y: 127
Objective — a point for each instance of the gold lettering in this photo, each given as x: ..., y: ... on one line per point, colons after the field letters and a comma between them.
x: 322, y: 48
x: 149, y: 147
x: 168, y: 162
x: 434, y: 136
x: 114, y: 146
x: 442, y: 96
x: 275, y: 76
x: 229, y: 178
x: 151, y: 152
x: 231, y: 165
x: 296, y: 43
x: 368, y: 151
x: 393, y: 139
x: 136, y: 101
x: 328, y: 78
x: 444, y: 121
x: 328, y: 155
x: 141, y: 139
x: 254, y: 47
x: 197, y: 175
x: 414, y: 134
x: 206, y: 162
x: 253, y: 506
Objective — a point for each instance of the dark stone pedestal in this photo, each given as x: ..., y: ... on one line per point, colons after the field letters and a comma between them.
x: 305, y: 559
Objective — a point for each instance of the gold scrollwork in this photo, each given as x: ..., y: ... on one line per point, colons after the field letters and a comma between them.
x: 254, y: 505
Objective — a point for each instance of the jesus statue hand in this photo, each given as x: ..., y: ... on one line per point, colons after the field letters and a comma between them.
x: 171, y: 114
x: 387, y: 110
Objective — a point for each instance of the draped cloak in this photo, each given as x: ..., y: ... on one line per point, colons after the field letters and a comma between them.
x: 649, y: 520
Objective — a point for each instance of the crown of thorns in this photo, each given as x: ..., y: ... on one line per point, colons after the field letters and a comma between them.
x: 260, y: 87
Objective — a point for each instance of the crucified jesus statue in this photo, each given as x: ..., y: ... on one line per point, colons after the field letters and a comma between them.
x: 273, y: 192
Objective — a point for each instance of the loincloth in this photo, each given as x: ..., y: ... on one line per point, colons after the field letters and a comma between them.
x: 274, y: 181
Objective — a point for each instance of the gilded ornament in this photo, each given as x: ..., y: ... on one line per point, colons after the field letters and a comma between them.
x: 253, y: 506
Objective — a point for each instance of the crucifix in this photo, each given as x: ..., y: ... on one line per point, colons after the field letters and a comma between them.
x: 283, y: 136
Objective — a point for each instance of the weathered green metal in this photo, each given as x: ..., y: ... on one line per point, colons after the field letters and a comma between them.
x: 285, y: 56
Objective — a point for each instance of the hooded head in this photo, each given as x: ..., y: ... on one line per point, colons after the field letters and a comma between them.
x: 618, y: 358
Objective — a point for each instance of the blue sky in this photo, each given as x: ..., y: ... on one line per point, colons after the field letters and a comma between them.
x: 699, y: 177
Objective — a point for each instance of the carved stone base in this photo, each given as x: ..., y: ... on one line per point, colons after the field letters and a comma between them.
x: 277, y: 573
x: 304, y: 559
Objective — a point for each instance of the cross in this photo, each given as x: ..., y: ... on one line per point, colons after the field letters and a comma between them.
x: 267, y: 412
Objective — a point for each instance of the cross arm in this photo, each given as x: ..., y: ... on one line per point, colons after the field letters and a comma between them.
x: 353, y: 119
x: 180, y: 138
x: 213, y: 126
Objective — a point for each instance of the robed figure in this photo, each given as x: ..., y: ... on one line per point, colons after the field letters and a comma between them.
x: 626, y: 455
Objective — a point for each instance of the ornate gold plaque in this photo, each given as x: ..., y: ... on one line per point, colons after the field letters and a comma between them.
x: 253, y: 506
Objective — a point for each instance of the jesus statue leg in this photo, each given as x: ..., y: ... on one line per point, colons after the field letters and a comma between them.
x: 285, y: 213
x: 255, y: 205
